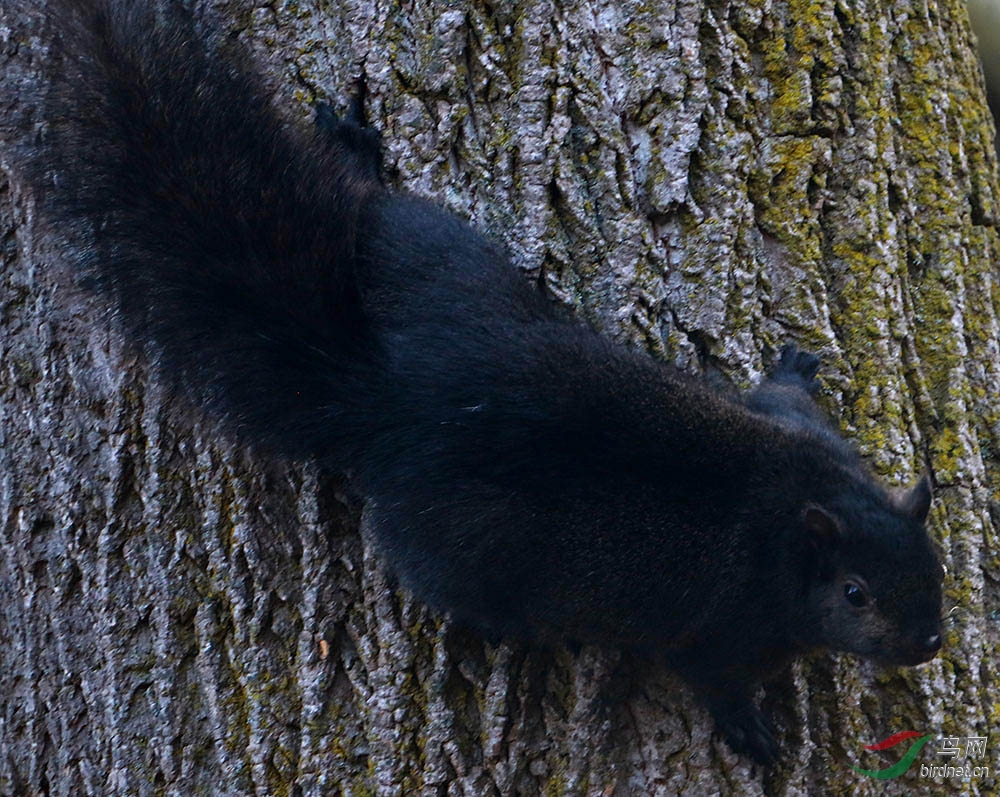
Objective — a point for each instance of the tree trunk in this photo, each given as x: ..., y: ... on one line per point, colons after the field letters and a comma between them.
x: 706, y: 180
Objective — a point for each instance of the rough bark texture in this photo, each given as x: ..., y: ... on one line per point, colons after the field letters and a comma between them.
x: 707, y: 180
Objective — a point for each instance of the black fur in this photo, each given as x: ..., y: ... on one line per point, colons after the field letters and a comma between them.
x: 522, y: 472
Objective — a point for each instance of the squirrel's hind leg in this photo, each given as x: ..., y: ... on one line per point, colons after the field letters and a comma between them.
x: 352, y: 133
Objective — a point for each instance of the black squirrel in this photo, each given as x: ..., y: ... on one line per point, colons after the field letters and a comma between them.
x: 522, y: 472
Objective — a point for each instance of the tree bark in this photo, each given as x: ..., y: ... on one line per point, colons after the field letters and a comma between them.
x: 707, y: 180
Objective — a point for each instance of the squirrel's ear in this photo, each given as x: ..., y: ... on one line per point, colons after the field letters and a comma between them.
x: 824, y: 534
x: 916, y: 502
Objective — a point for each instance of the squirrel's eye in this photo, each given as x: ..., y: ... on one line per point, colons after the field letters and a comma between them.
x: 855, y: 595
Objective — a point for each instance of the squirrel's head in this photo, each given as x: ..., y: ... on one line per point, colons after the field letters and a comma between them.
x: 874, y: 586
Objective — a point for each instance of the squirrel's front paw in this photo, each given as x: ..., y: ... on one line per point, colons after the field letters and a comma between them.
x: 748, y: 732
x: 799, y: 367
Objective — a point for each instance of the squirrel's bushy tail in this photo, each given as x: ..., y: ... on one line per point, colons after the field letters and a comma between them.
x: 174, y: 188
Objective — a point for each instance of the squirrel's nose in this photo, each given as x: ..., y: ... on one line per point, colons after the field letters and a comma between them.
x: 932, y: 644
